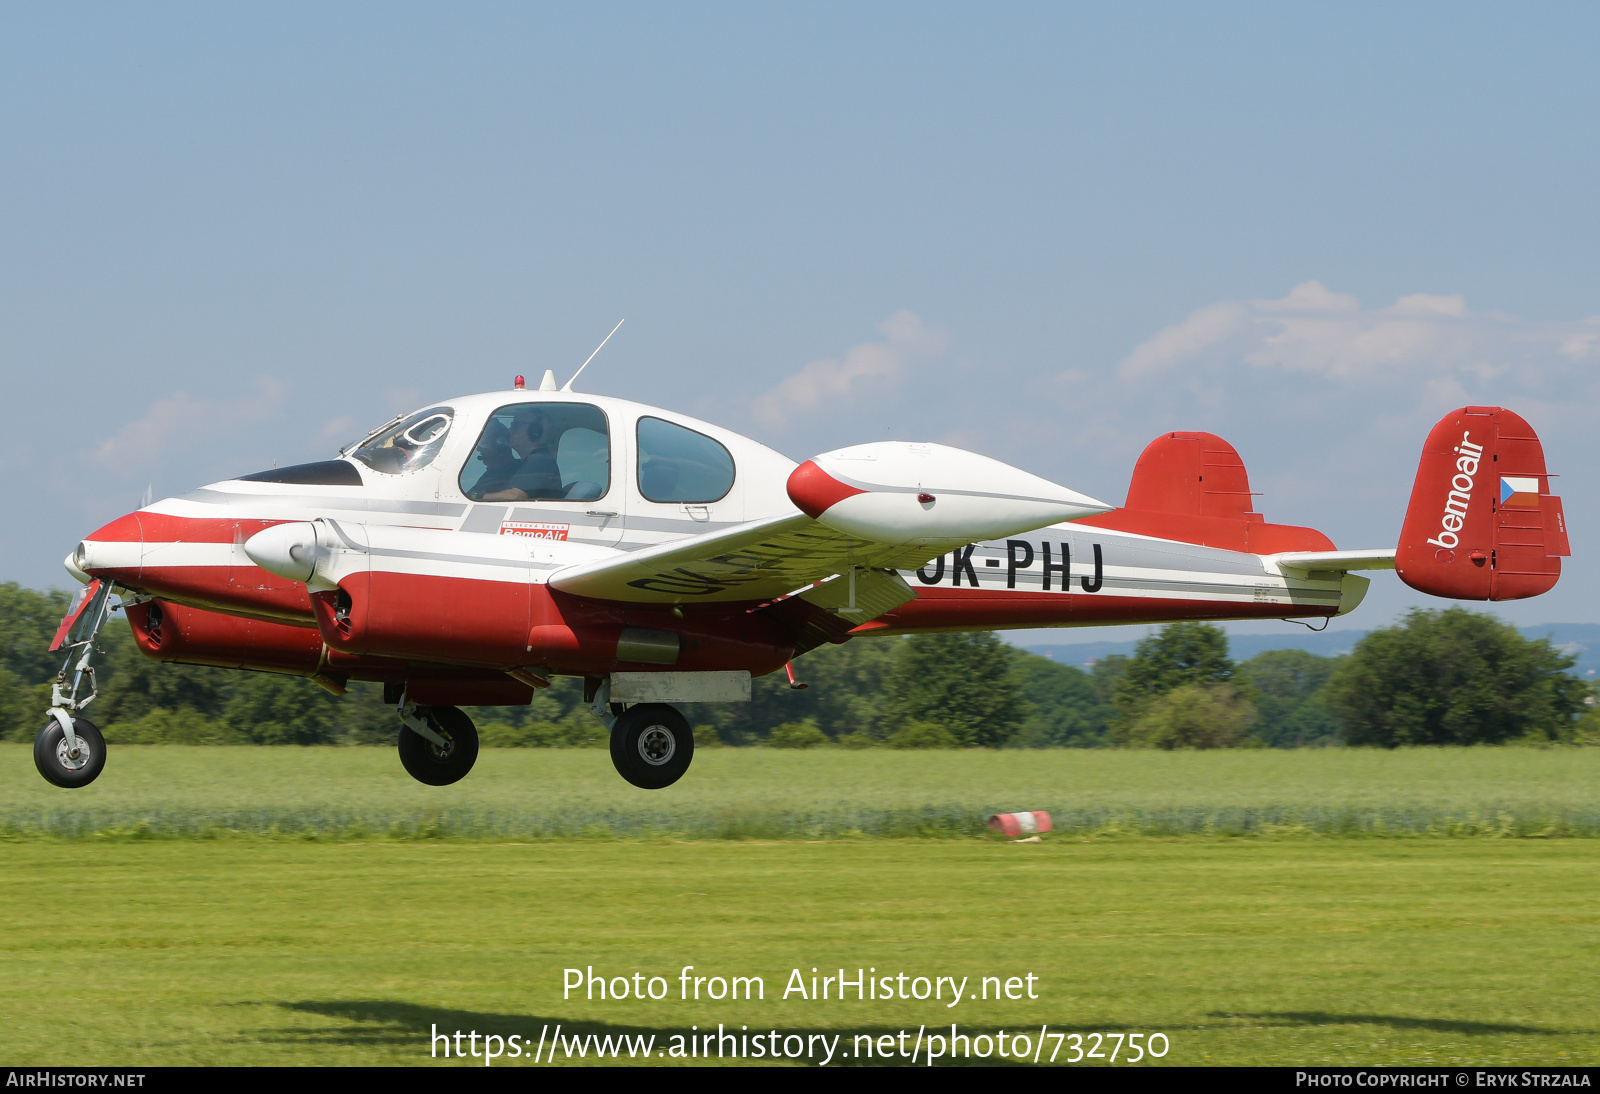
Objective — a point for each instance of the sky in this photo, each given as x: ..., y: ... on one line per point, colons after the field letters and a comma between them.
x: 233, y: 235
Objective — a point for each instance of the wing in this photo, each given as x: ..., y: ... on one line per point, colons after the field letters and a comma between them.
x: 890, y: 505
x: 759, y: 560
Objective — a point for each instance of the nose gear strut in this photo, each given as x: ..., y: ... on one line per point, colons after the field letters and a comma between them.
x: 74, y: 751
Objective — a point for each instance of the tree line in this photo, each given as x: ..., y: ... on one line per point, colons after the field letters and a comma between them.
x: 1448, y: 676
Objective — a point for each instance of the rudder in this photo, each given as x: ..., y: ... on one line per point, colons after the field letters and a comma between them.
x: 1482, y: 523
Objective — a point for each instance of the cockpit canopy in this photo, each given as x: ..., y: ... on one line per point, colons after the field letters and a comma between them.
x: 409, y: 444
x: 543, y: 447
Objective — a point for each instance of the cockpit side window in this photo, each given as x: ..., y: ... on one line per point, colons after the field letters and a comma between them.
x: 408, y: 445
x: 540, y: 452
x: 679, y: 465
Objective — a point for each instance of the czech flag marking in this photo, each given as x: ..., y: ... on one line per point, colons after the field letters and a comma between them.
x: 1520, y: 492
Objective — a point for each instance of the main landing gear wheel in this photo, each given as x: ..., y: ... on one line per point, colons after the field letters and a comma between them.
x: 651, y: 745
x: 427, y: 762
x: 60, y: 763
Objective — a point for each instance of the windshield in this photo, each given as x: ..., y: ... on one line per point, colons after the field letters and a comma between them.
x: 409, y: 444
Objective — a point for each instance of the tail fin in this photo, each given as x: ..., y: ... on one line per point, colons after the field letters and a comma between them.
x: 1482, y: 523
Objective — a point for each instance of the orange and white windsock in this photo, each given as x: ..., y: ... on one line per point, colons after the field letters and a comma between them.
x: 1021, y: 824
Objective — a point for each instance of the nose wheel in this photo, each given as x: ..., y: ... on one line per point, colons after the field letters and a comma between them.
x: 651, y: 745
x: 438, y: 745
x: 73, y: 763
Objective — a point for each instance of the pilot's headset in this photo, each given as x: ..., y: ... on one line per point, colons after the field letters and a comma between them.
x: 533, y: 420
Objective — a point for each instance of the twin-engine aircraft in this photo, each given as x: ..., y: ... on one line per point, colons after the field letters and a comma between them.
x: 469, y: 552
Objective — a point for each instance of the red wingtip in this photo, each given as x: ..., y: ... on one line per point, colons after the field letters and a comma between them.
x: 814, y: 491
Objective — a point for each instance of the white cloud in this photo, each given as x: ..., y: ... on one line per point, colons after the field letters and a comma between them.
x: 1319, y: 333
x: 866, y: 368
x: 180, y: 421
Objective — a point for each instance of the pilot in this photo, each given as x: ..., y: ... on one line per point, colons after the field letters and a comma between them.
x: 536, y: 476
x: 500, y: 463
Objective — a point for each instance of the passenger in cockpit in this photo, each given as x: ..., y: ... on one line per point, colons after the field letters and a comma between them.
x: 536, y: 476
x: 500, y: 463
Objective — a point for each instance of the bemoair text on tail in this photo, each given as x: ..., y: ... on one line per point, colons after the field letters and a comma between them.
x: 1482, y: 523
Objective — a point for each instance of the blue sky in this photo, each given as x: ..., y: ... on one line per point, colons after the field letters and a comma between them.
x: 237, y: 234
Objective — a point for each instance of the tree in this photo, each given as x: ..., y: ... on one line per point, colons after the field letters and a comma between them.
x: 797, y: 734
x: 1177, y: 654
x: 963, y: 682
x: 1192, y: 716
x: 802, y: 734
x: 1067, y: 709
x: 1287, y: 686
x: 923, y: 735
x: 1453, y: 677
x: 845, y: 694
x: 282, y: 710
x: 28, y: 621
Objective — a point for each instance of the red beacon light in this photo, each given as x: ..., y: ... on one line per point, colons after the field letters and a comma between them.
x: 519, y: 383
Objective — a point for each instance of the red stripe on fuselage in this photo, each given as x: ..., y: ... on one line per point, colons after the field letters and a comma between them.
x: 236, y: 589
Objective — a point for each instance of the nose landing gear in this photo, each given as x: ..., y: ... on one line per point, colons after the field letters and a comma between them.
x: 69, y: 751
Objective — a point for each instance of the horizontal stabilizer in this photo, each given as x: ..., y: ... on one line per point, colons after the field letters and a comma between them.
x: 1334, y: 561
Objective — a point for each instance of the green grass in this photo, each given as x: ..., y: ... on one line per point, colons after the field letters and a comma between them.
x: 177, y: 791
x: 282, y: 905
x: 1446, y: 952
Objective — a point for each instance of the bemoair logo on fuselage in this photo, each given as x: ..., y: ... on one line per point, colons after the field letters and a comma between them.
x: 1460, y: 497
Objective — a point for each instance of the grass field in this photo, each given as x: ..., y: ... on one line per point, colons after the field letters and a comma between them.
x: 283, y: 935
x: 1240, y: 951
x: 767, y: 793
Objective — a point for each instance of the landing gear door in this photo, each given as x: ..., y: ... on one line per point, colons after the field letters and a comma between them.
x: 84, y: 615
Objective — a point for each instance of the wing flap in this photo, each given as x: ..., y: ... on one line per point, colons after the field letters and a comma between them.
x: 860, y: 595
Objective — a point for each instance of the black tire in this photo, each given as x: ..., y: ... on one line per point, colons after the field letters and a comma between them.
x: 651, y: 745
x: 50, y: 754
x: 427, y: 762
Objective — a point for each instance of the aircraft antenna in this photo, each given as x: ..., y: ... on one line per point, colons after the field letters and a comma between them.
x: 568, y: 385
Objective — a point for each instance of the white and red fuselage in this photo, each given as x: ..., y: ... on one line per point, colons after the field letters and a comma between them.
x: 417, y: 560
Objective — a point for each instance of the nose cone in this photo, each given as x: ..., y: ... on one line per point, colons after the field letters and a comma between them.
x: 115, y: 551
x: 71, y: 563
x: 287, y: 550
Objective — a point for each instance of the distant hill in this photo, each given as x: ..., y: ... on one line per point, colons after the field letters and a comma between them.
x: 1581, y: 639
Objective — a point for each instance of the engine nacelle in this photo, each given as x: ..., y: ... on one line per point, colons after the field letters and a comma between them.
x: 501, y: 625
x: 191, y: 636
